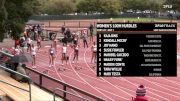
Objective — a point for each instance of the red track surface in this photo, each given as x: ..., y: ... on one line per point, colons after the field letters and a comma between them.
x: 114, y: 88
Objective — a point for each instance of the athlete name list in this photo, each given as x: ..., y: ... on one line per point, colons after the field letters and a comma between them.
x: 136, y: 53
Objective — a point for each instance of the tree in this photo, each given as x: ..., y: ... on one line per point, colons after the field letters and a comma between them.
x: 3, y: 18
x: 14, y: 14
x: 55, y: 7
x: 174, y: 3
x: 107, y: 6
x: 154, y: 5
x: 135, y: 4
x: 89, y: 6
x: 112, y: 7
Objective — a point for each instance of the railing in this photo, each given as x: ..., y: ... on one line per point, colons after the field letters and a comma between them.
x: 49, y: 83
x: 69, y: 24
x: 84, y: 17
x: 11, y: 71
x: 29, y: 81
x: 65, y: 92
x: 7, y: 54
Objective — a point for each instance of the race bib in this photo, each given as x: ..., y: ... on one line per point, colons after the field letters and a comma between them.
x: 51, y: 52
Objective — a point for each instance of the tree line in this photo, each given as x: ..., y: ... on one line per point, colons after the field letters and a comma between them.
x: 14, y: 13
x: 55, y: 7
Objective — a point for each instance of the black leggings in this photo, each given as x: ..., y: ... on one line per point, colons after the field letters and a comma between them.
x: 76, y: 54
x: 63, y: 56
x: 85, y: 43
x: 75, y: 42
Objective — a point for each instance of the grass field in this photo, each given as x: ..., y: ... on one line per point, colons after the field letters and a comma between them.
x: 137, y: 20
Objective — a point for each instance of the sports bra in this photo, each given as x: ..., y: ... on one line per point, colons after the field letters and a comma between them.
x: 94, y: 48
x: 33, y: 51
x: 76, y: 48
x: 64, y: 49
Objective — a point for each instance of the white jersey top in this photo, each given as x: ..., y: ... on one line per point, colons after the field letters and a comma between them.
x: 77, y: 47
x: 94, y: 48
x: 33, y: 51
x: 85, y: 31
x: 29, y: 40
x: 17, y: 51
x: 64, y: 49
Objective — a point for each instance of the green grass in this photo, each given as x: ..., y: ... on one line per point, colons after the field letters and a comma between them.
x: 137, y: 20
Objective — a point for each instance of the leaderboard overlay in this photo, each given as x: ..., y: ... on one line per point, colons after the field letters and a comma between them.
x: 136, y: 49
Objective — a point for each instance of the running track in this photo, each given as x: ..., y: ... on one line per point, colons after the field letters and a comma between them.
x: 114, y: 88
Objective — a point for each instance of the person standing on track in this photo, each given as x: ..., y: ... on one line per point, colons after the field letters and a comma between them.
x: 22, y: 43
x: 33, y: 53
x: 94, y: 52
x: 91, y: 32
x: 64, y: 51
x: 76, y: 52
x: 75, y: 39
x: 16, y: 42
x: 29, y: 41
x: 52, y: 56
x: 63, y: 29
x: 54, y: 38
x: 17, y: 51
x: 39, y: 42
x: 84, y: 37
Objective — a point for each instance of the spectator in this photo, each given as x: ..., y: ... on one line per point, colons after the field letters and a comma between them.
x: 140, y: 94
x: 36, y: 33
x: 63, y: 29
x: 15, y: 65
x: 75, y: 39
x: 68, y: 33
x: 64, y: 40
x: 39, y: 42
x: 20, y: 69
x: 17, y: 51
x: 67, y: 36
x: 39, y: 29
x: 16, y: 42
x: 22, y: 43
x: 51, y: 35
x: 73, y: 36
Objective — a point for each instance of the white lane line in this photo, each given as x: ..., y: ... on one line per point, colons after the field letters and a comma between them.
x: 42, y: 59
x: 87, y: 82
x: 68, y: 76
x: 163, y: 88
x: 167, y: 86
x: 103, y: 78
x: 112, y: 93
x: 42, y: 66
x: 136, y: 85
x: 162, y: 92
x: 175, y: 82
x: 116, y: 87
